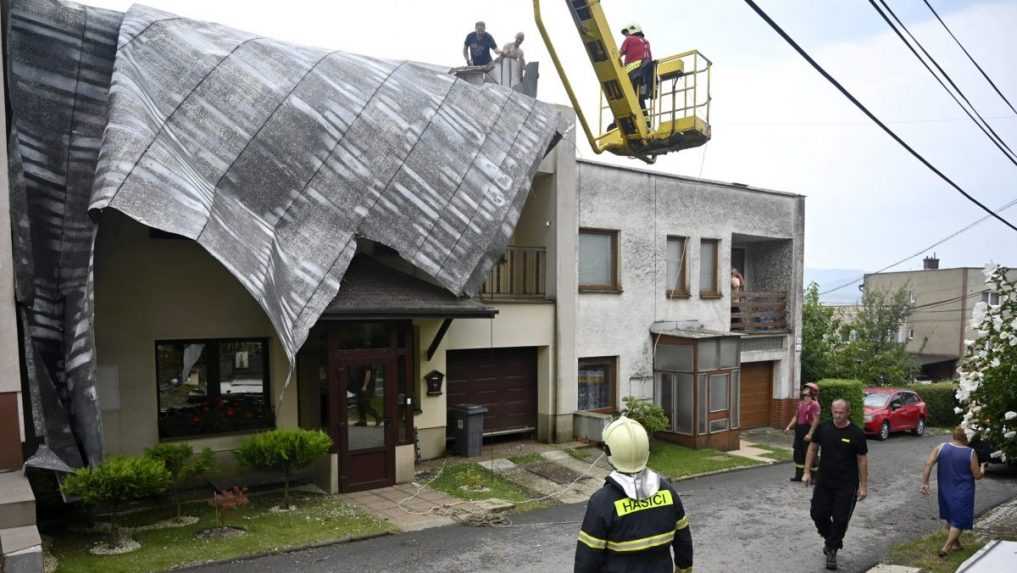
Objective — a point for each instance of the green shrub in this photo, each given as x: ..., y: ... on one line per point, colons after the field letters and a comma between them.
x: 182, y: 464
x: 283, y: 451
x: 650, y: 415
x: 851, y: 390
x: 940, y: 399
x: 115, y: 482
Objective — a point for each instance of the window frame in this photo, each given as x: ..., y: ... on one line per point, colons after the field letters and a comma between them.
x: 615, y: 287
x: 212, y: 360
x: 717, y: 293
x: 611, y: 365
x: 683, y: 290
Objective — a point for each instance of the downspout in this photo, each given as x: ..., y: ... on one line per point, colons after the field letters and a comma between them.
x: 963, y: 313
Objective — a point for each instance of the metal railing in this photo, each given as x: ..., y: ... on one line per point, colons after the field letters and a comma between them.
x: 521, y: 274
x: 759, y: 311
x: 675, y: 97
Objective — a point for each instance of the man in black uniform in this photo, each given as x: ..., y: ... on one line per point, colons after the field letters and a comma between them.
x: 636, y: 518
x: 843, y: 477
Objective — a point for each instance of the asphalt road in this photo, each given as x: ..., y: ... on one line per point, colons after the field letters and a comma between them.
x: 752, y: 520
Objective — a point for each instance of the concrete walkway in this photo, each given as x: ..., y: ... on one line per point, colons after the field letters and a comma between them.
x: 406, y: 506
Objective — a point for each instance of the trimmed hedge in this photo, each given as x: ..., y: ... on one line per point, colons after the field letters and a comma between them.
x: 941, y: 400
x: 853, y: 391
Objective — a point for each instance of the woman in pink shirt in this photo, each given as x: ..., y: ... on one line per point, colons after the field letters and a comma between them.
x: 804, y: 423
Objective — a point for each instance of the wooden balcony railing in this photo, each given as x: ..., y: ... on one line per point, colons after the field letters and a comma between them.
x: 521, y: 274
x: 759, y: 311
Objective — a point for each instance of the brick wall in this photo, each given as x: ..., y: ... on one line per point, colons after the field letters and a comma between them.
x: 781, y: 411
x: 10, y: 432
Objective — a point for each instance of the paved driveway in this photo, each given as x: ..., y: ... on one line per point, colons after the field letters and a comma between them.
x: 752, y: 521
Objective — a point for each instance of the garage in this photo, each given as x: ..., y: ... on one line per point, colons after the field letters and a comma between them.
x: 757, y: 392
x: 502, y: 379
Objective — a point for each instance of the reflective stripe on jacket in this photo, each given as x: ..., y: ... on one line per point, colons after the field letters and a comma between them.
x: 620, y: 534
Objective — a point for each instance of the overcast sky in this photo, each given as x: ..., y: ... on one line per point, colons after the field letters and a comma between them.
x: 776, y: 122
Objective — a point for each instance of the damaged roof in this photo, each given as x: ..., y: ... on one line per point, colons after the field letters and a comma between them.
x: 271, y: 156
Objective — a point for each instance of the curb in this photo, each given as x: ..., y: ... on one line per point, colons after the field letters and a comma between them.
x: 241, y: 559
x: 730, y: 470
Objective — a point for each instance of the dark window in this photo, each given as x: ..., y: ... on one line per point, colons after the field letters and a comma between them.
x: 709, y: 284
x: 598, y: 261
x: 597, y: 383
x: 677, y: 266
x: 212, y: 386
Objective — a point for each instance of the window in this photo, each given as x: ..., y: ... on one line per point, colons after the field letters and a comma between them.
x: 677, y: 275
x: 208, y: 387
x: 596, y: 383
x: 598, y: 261
x: 991, y: 298
x: 718, y: 393
x: 709, y: 285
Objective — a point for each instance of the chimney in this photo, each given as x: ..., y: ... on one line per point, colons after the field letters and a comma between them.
x: 930, y: 263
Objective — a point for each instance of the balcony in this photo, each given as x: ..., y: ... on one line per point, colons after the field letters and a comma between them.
x: 521, y: 275
x: 759, y: 312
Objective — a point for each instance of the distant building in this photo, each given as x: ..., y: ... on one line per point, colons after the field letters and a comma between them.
x: 940, y: 323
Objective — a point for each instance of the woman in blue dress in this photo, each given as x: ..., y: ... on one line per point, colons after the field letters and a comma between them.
x: 958, y: 469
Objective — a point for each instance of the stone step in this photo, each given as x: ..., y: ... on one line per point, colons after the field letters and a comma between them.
x: 22, y: 550
x: 17, y: 502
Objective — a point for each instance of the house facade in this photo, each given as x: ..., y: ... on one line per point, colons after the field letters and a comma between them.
x: 186, y: 354
x: 657, y: 317
x: 943, y: 299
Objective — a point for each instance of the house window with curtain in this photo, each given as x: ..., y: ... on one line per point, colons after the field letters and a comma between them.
x: 597, y: 384
x: 709, y: 279
x: 209, y: 387
x: 677, y: 267
x: 598, y: 261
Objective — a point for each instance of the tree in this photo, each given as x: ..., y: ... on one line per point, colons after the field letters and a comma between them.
x: 283, y: 451
x: 869, y: 349
x: 819, y: 328
x: 988, y: 373
x: 182, y: 464
x: 115, y: 482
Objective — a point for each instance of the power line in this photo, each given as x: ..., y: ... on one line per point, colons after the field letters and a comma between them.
x: 871, y: 116
x: 984, y: 125
x: 984, y: 75
x: 1003, y: 207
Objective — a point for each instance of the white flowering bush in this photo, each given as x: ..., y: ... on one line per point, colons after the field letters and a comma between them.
x: 987, y: 390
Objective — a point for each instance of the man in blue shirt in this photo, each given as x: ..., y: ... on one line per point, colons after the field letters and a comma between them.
x: 478, y: 47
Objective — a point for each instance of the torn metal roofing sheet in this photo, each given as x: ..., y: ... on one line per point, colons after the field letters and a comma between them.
x: 273, y: 157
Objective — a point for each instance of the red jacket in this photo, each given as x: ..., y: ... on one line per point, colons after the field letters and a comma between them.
x: 634, y: 49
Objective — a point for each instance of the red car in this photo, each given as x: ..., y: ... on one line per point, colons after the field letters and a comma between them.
x: 894, y: 410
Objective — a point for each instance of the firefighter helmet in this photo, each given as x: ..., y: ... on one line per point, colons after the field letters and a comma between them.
x: 628, y: 446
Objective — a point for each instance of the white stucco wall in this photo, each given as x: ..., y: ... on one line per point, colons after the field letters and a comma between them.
x: 645, y: 209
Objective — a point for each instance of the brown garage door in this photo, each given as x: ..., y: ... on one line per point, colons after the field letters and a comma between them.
x: 503, y: 379
x: 757, y: 391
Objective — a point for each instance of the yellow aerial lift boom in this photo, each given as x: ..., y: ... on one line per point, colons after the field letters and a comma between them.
x: 678, y: 114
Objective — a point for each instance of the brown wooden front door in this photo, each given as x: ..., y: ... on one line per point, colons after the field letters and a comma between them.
x: 757, y: 392
x: 366, y: 424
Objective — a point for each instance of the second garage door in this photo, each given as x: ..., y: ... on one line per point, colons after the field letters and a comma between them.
x: 502, y: 379
x: 757, y: 391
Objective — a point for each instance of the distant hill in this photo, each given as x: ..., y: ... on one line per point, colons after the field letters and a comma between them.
x: 830, y: 278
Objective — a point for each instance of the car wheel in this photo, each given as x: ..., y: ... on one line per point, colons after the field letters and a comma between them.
x: 884, y: 431
x: 920, y: 428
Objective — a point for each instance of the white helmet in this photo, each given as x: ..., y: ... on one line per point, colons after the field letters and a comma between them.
x: 635, y: 29
x: 627, y: 444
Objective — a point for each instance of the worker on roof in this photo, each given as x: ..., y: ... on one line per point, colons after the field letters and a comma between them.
x: 638, y: 61
x: 634, y: 521
x: 478, y: 46
x: 512, y: 50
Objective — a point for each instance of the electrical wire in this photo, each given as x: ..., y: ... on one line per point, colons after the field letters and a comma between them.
x: 984, y: 75
x: 755, y: 7
x: 984, y: 125
x: 1003, y: 207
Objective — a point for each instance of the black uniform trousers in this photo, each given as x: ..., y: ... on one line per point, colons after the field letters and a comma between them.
x: 831, y: 511
x: 800, y: 448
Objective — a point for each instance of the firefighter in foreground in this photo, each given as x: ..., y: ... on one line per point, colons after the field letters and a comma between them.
x: 635, y: 519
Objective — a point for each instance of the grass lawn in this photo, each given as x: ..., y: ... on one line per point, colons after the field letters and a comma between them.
x: 473, y: 481
x: 779, y: 454
x: 524, y: 459
x: 318, y: 519
x: 922, y: 553
x: 675, y: 461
